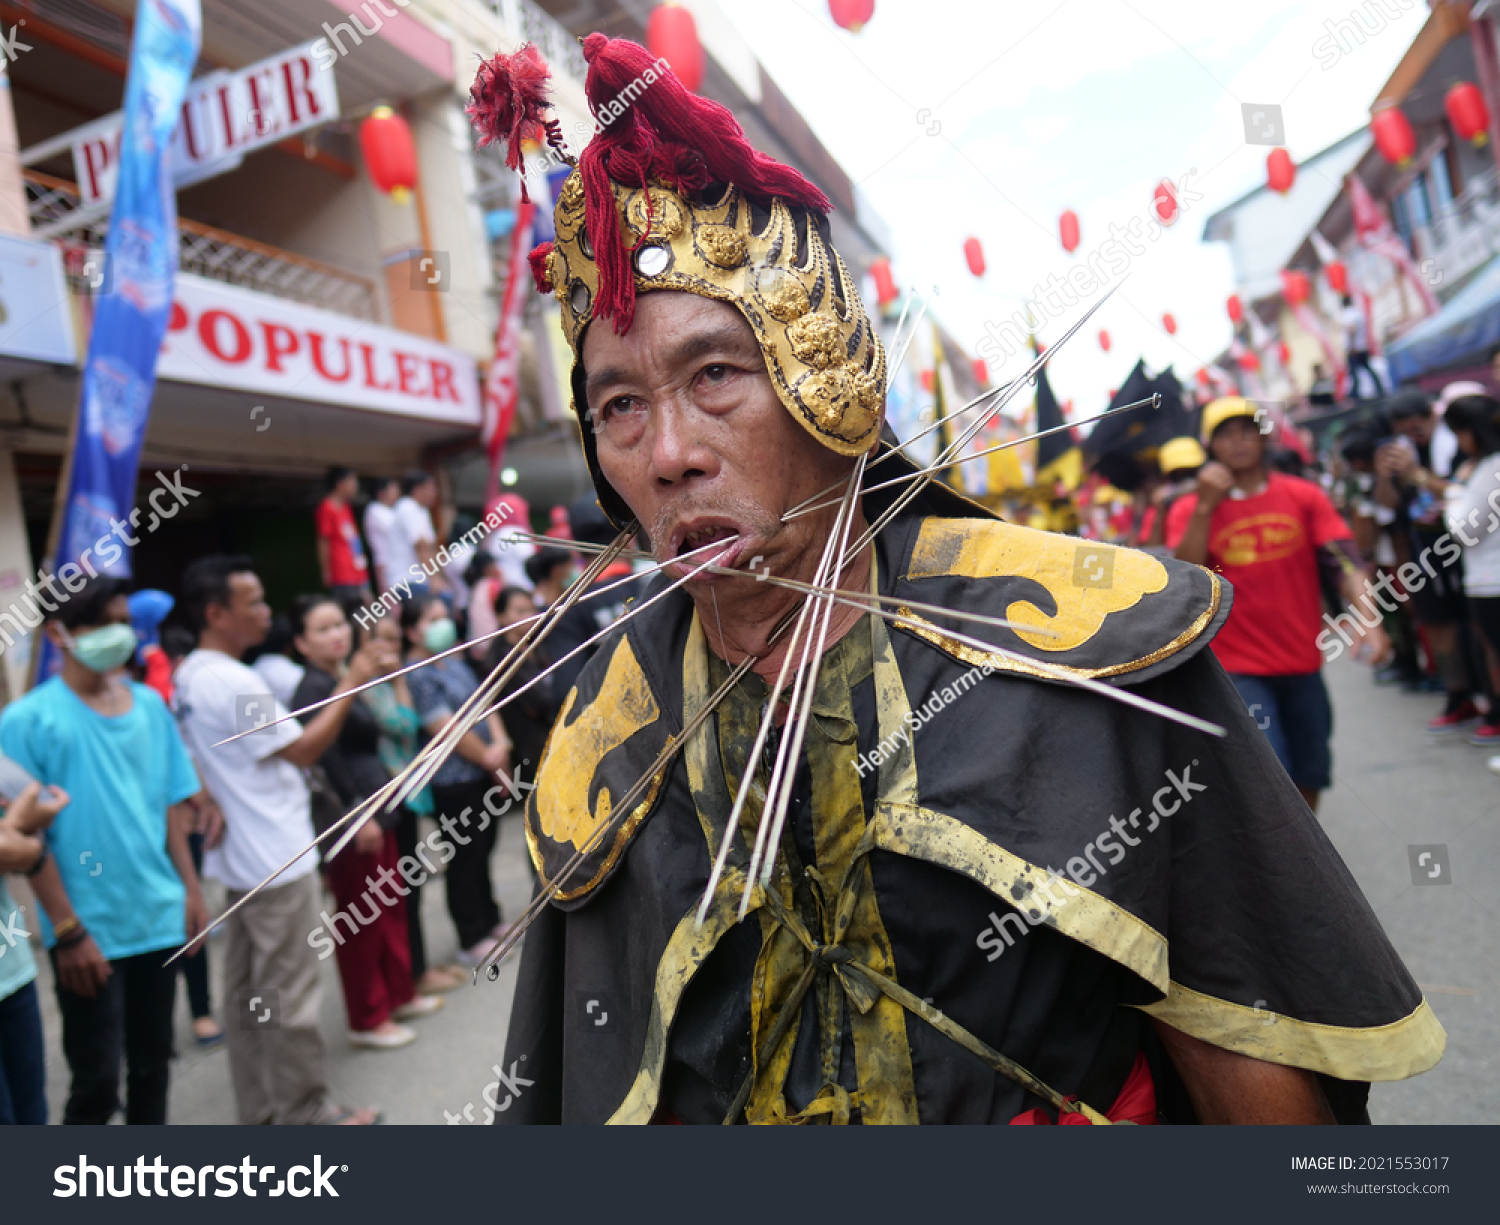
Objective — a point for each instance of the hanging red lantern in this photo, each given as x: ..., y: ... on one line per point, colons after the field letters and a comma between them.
x: 1203, y: 377
x: 929, y: 381
x: 1104, y: 340
x: 1467, y: 112
x: 1295, y: 286
x: 885, y: 282
x: 1247, y: 360
x: 1235, y: 308
x: 1283, y: 353
x: 981, y: 372
x: 1393, y: 136
x: 1067, y: 228
x: 1338, y: 277
x: 390, y: 153
x: 1281, y: 171
x: 1169, y: 322
x: 974, y: 253
x: 851, y: 15
x: 672, y: 35
x: 1164, y: 200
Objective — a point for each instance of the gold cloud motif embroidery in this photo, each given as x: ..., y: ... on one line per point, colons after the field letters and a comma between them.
x: 625, y: 704
x: 1085, y: 591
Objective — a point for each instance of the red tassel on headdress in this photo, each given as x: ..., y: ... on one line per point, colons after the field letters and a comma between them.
x: 669, y: 134
x: 509, y: 101
x: 538, y: 261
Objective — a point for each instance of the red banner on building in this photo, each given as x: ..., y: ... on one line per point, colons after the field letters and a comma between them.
x: 501, y: 386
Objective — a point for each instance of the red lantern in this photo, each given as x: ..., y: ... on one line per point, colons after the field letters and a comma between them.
x: 1235, y: 308
x: 1281, y: 171
x: 1338, y: 277
x: 1295, y: 286
x: 851, y: 15
x: 1467, y: 112
x: 1165, y: 202
x: 672, y: 34
x: 1067, y: 228
x: 1393, y: 136
x: 1284, y: 352
x: 929, y: 381
x: 885, y: 283
x: 981, y: 372
x: 974, y: 253
x: 390, y: 153
x: 1104, y: 340
x: 1169, y: 321
x: 1248, y: 361
x: 1203, y: 377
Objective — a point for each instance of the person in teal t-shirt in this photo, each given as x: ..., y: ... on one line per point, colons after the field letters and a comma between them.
x: 23, y: 1060
x: 119, y: 891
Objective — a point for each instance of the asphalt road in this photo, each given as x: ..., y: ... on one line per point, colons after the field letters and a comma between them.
x: 1393, y: 791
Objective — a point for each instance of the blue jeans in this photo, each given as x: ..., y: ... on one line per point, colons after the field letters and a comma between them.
x: 1295, y: 714
x: 23, y: 1061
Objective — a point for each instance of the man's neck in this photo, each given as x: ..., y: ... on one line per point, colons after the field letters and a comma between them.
x: 1251, y: 481
x: 732, y: 639
x: 212, y: 640
x: 85, y: 682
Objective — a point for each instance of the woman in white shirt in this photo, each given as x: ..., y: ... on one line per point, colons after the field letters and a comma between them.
x: 1473, y: 515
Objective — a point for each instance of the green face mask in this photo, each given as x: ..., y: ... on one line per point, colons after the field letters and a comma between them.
x: 103, y: 650
x: 440, y: 635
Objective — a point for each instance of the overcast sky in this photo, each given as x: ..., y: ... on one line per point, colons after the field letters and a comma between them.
x: 1081, y: 104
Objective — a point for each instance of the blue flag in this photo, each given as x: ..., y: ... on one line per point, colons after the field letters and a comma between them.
x: 135, y: 302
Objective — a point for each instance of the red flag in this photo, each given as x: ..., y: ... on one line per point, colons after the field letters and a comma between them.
x: 501, y: 385
x: 1375, y: 234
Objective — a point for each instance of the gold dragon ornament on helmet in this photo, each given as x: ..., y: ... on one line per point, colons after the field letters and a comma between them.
x: 670, y: 196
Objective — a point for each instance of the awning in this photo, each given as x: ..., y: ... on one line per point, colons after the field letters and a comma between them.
x: 1464, y: 331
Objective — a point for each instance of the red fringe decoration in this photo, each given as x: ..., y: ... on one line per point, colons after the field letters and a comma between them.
x: 669, y: 134
x: 538, y: 261
x: 510, y: 100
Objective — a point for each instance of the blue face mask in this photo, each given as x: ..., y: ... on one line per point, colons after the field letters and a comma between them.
x: 102, y: 650
x: 440, y: 635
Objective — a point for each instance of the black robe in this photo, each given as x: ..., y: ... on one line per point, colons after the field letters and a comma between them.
x: 1039, y: 865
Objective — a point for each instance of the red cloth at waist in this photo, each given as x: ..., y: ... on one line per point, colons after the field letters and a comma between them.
x: 1136, y: 1103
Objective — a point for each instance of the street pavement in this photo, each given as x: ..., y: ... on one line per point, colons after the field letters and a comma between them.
x: 1393, y: 791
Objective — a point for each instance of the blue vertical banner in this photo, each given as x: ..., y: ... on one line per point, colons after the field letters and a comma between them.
x: 131, y: 312
x: 133, y: 306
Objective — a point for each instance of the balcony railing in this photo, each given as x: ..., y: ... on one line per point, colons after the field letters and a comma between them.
x: 535, y: 25
x: 1464, y: 236
x: 207, y: 252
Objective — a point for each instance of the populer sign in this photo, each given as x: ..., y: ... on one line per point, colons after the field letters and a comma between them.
x: 228, y: 337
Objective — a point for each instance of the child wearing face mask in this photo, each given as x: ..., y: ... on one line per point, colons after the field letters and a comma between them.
x: 117, y: 886
x: 477, y: 767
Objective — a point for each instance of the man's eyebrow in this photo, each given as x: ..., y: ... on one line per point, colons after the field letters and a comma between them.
x: 727, y: 338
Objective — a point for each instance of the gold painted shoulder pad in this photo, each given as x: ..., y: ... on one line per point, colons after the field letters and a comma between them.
x: 1105, y: 612
x: 609, y: 732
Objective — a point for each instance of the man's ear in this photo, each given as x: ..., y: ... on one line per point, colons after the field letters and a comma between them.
x: 53, y: 630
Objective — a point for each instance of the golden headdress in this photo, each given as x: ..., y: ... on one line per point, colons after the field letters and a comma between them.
x: 670, y: 195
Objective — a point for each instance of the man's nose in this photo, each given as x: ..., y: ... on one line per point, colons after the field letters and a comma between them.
x: 678, y: 450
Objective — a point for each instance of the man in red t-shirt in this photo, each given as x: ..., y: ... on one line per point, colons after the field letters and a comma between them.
x: 341, y: 553
x: 1263, y: 531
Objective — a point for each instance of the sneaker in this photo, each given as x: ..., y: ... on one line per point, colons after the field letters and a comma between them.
x: 1451, y: 722
x: 1486, y: 735
x: 417, y: 1006
x: 383, y: 1039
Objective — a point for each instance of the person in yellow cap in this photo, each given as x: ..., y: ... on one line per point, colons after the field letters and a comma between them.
x: 1269, y: 534
x: 1178, y: 460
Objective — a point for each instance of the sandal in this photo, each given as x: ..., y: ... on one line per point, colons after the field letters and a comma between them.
x: 349, y: 1116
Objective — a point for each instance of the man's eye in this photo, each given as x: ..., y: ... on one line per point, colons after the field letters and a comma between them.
x: 613, y: 407
x: 716, y: 373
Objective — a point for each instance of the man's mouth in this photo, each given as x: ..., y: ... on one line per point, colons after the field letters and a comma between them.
x: 695, y: 546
